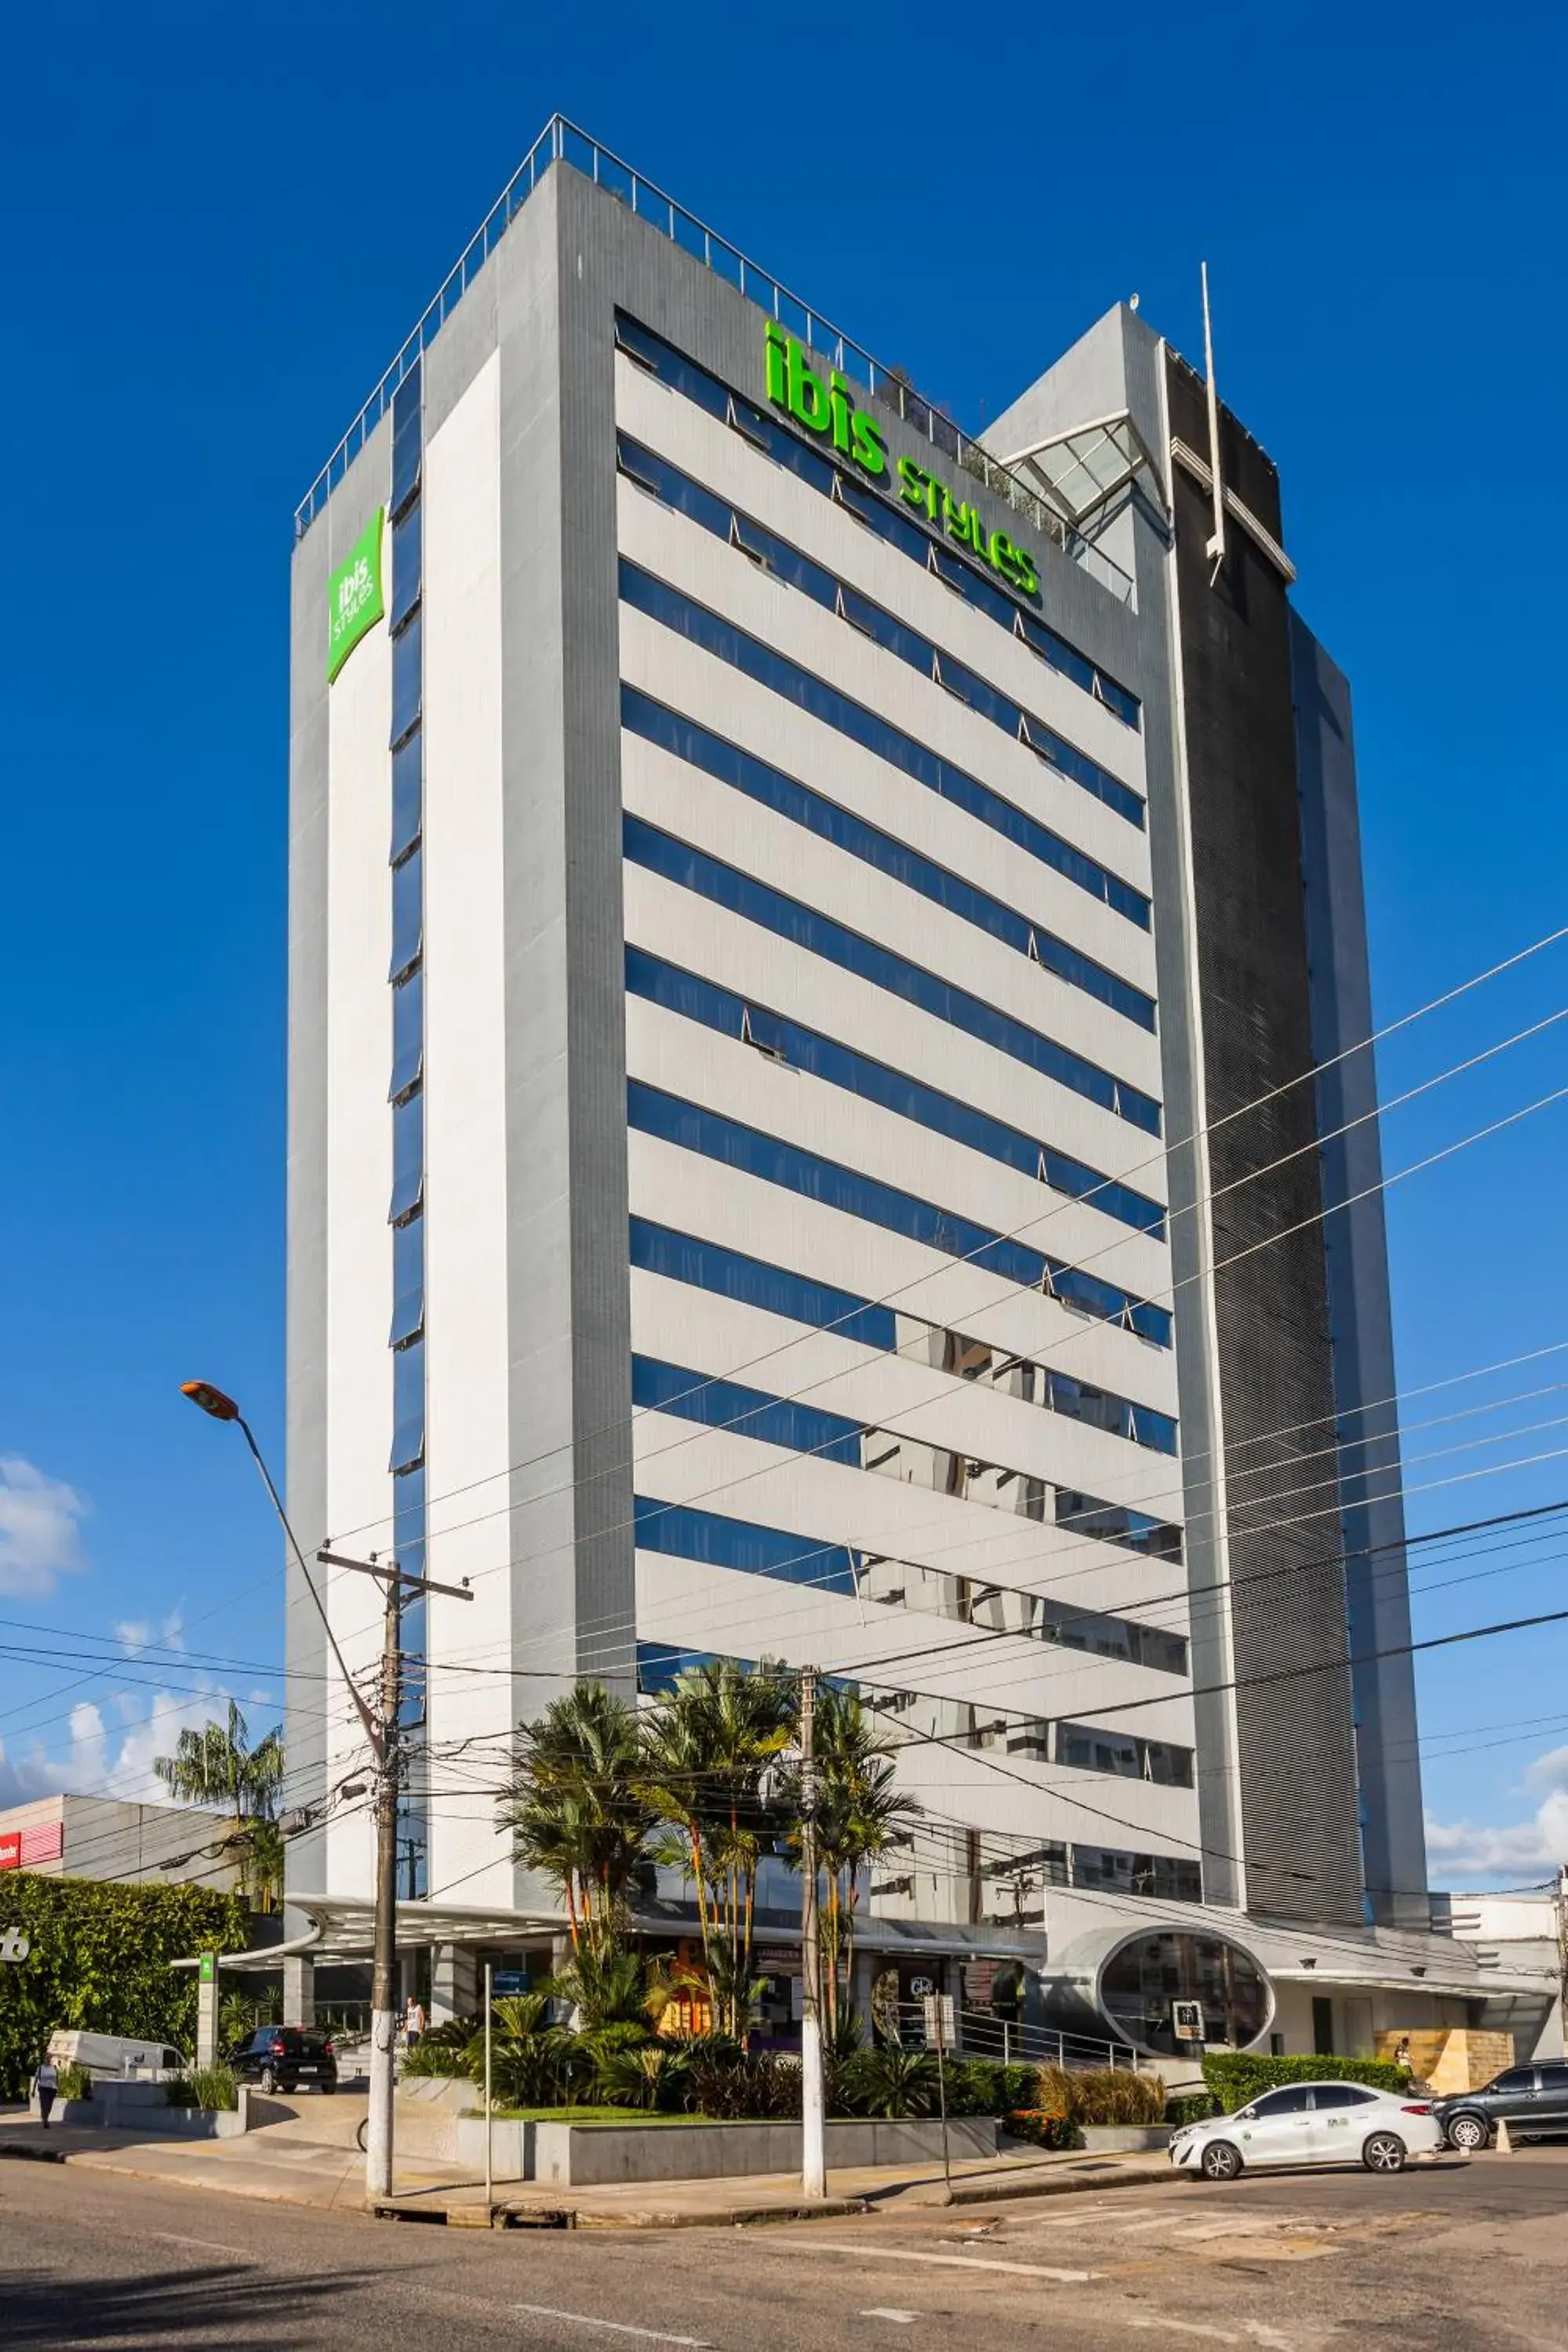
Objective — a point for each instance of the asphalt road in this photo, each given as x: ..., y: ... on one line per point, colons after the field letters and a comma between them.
x: 1471, y: 2257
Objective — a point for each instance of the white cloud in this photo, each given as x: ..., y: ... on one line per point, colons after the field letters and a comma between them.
x: 133, y: 1635
x: 93, y: 1760
x: 39, y: 1541
x: 1461, y: 1852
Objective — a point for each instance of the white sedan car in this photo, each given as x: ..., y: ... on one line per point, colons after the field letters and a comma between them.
x: 1311, y: 2123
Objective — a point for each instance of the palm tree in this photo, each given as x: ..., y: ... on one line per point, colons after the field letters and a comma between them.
x: 575, y: 1808
x: 218, y: 1766
x: 859, y: 1809
x: 709, y: 1754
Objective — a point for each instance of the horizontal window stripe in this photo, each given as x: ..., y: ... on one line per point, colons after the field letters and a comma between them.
x: 659, y: 1387
x: 790, y: 919
x: 652, y: 1112
x: 700, y: 505
x: 745, y: 1412
x: 699, y: 747
x: 704, y: 1265
x: 695, y: 998
x: 714, y: 1539
x: 884, y: 516
x: 727, y: 643
x: 682, y: 1533
x: 819, y: 1306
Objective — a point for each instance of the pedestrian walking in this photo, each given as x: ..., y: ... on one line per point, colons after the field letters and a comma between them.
x: 1402, y: 2051
x: 413, y: 2022
x: 47, y: 2084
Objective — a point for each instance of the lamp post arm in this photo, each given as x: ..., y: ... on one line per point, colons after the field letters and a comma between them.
x: 372, y: 1727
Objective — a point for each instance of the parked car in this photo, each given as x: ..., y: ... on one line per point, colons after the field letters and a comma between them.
x: 280, y: 2057
x: 116, y: 2057
x: 1531, y: 2100
x: 1311, y: 2123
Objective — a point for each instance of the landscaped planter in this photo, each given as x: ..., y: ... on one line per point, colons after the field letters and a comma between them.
x: 143, y: 2107
x: 584, y: 2156
x: 1119, y: 2138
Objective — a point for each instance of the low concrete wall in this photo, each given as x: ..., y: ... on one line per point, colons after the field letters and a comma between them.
x: 1118, y: 2138
x: 572, y: 2156
x: 143, y: 2107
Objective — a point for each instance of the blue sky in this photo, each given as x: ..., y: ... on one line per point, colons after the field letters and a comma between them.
x: 217, y: 229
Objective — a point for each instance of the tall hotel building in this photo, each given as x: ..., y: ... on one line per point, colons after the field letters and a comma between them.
x: 809, y: 940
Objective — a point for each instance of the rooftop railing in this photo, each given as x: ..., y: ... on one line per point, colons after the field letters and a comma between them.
x: 561, y: 143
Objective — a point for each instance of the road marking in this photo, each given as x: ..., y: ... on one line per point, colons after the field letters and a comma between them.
x: 944, y: 2262
x: 614, y: 2326
x: 207, y: 2245
x: 881, y: 2311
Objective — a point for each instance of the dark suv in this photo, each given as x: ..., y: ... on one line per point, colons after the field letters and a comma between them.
x: 278, y: 2057
x: 1532, y: 2101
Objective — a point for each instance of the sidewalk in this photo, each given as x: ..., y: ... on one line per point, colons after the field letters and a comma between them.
x: 282, y: 2166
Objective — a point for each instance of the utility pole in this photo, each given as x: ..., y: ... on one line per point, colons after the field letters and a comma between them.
x: 814, y: 2138
x: 387, y: 1747
x: 1563, y: 1947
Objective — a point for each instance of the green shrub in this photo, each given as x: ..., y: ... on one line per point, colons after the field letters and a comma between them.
x: 892, y: 2084
x: 761, y: 2086
x: 1044, y: 2130
x: 76, y: 2083
x: 212, y: 2088
x: 1107, y: 2095
x: 1237, y: 2077
x: 427, y: 2058
x: 1192, y: 2107
x: 652, y: 2077
x: 100, y: 1961
x: 452, y: 2033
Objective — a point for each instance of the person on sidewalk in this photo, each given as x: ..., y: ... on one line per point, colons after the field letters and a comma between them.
x: 413, y: 2022
x: 47, y: 2083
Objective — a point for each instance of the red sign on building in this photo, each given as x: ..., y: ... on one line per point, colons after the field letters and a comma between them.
x: 10, y: 1849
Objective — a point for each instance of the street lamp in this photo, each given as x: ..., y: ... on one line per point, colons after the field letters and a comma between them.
x: 382, y: 1732
x: 219, y: 1407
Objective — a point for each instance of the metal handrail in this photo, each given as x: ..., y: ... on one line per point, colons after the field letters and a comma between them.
x: 980, y: 2034
x: 561, y: 141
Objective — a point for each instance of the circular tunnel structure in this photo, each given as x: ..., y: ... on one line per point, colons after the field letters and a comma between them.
x: 1171, y: 1990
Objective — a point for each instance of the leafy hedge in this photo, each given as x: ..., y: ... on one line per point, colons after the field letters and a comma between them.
x: 99, y: 1959
x: 1237, y: 2077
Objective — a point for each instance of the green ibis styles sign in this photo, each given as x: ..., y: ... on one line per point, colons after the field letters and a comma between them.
x: 355, y: 603
x: 829, y: 408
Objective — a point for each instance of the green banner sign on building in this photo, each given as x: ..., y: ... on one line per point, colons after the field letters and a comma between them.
x: 355, y: 603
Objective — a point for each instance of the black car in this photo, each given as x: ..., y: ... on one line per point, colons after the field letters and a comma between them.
x: 1531, y: 2100
x: 278, y: 2057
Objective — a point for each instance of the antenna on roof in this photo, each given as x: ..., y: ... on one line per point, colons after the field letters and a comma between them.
x: 1216, y: 548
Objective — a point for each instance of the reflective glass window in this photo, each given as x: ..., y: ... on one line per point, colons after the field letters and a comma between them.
x: 408, y: 1405
x: 788, y: 918
x: 1141, y: 1982
x: 408, y: 438
x: 696, y: 999
x: 749, y: 1413
x: 852, y: 720
x: 407, y: 794
x: 881, y: 514
x: 407, y: 1034
x: 407, y: 544
x: 1327, y: 2096
x: 408, y: 1521
x: 774, y: 1161
x: 407, y: 1156
x: 408, y: 912
x: 1114, y: 1523
x: 694, y: 499
x: 641, y: 714
x: 1294, y: 2102
x: 686, y: 1533
x: 408, y: 680
x: 407, y: 1280
x: 706, y: 1266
